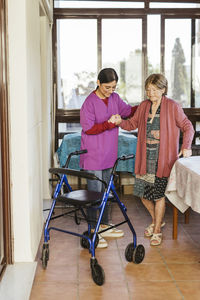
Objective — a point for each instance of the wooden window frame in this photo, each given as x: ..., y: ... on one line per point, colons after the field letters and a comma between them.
x: 7, y: 259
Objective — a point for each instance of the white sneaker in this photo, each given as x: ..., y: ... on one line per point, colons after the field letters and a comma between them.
x: 102, y: 243
x: 113, y: 232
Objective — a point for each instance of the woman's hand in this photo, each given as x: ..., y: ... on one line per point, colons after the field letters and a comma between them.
x: 185, y: 153
x: 112, y: 119
x: 115, y: 119
x: 118, y: 119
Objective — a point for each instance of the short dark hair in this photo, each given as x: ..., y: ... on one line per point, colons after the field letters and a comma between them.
x: 159, y: 80
x: 107, y: 75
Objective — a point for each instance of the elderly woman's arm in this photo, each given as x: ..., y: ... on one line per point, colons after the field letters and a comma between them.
x: 188, y: 132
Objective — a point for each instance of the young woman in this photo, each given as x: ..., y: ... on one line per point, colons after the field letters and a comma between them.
x: 100, y: 137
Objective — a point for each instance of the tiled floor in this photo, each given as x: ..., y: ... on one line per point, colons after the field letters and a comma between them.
x: 168, y: 272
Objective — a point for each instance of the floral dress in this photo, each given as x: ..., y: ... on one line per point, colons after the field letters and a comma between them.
x: 149, y: 186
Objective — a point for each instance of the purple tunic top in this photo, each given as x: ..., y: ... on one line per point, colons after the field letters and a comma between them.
x: 103, y: 147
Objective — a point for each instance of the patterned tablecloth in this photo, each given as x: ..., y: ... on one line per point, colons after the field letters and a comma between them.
x: 71, y: 142
x: 183, y: 189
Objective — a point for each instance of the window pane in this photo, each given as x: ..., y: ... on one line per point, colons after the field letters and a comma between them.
x: 98, y: 4
x: 178, y: 59
x: 173, y: 5
x: 122, y: 50
x: 65, y: 128
x: 153, y: 43
x: 196, y: 65
x: 77, y: 61
x: 197, y: 129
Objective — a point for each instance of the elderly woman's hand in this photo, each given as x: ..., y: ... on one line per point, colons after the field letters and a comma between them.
x: 116, y: 119
x: 112, y: 119
x: 185, y: 153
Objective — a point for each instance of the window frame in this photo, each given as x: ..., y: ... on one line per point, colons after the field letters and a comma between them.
x: 73, y: 115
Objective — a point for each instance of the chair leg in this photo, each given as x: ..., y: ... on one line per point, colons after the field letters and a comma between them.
x: 186, y: 215
x: 175, y: 223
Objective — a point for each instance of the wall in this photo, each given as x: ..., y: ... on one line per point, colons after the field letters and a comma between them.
x: 30, y: 122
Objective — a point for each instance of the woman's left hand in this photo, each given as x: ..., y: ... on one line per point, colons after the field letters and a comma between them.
x: 185, y: 153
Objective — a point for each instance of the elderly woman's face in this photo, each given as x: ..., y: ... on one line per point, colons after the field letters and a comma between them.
x: 154, y: 93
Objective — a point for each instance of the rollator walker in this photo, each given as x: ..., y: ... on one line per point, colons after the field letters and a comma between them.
x: 78, y: 201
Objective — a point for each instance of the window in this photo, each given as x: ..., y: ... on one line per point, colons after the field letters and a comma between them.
x: 76, y: 61
x: 77, y: 58
x: 123, y: 52
x: 136, y: 38
x: 178, y: 59
x: 97, y: 4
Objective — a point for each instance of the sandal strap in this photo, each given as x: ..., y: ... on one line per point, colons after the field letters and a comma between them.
x: 156, y: 237
x: 149, y: 230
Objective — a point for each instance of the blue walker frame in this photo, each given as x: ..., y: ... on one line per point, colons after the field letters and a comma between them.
x: 133, y: 251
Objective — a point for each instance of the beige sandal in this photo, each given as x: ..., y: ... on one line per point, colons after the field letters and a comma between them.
x: 149, y: 230
x: 156, y: 239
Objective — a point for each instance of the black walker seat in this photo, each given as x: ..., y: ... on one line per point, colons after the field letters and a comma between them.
x: 79, y: 200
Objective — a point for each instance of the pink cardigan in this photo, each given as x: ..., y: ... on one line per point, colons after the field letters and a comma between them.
x: 172, y: 119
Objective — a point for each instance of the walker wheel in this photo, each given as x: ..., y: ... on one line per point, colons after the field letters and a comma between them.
x: 138, y: 254
x: 84, y: 242
x: 98, y: 274
x: 129, y: 252
x: 45, y: 255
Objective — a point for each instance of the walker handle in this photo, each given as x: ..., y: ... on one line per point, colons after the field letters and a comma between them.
x: 78, y: 152
x: 124, y: 157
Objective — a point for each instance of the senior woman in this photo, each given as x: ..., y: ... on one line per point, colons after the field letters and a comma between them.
x: 159, y: 121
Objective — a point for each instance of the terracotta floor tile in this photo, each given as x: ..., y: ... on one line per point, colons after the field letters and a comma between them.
x: 189, y: 289
x: 195, y: 238
x: 147, y: 272
x: 185, y: 255
x: 185, y: 271
x: 54, y: 290
x: 60, y: 273
x: 110, y: 290
x: 147, y: 290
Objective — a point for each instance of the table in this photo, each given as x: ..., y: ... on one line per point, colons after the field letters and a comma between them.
x: 183, y: 188
x: 127, y: 143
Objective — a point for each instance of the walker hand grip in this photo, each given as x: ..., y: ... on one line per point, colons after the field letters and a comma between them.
x: 79, y: 152
x: 125, y: 157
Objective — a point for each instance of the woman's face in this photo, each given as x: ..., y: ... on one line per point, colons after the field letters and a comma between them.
x: 154, y: 93
x: 106, y: 89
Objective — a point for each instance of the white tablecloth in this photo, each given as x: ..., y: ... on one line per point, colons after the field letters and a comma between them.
x: 183, y: 188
